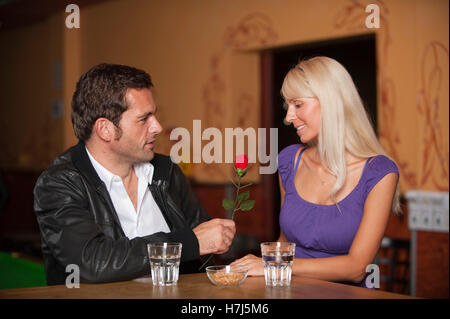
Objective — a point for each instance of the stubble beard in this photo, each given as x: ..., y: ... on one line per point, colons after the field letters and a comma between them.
x: 134, y: 155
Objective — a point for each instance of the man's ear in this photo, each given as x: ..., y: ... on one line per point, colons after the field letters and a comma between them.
x: 104, y: 129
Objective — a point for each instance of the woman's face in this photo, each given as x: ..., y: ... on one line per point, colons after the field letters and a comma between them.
x: 304, y: 114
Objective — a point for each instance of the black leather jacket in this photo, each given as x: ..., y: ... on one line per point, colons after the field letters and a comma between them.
x: 79, y: 225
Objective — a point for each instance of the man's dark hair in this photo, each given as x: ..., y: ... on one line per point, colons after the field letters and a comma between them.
x: 100, y: 92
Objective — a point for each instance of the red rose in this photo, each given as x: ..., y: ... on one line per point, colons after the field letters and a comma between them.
x: 240, y: 166
x: 241, y: 201
x: 241, y: 162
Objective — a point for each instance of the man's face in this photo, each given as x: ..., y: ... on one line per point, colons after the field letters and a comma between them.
x: 139, y: 128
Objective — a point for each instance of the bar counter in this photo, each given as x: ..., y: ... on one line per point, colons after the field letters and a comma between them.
x: 198, y: 286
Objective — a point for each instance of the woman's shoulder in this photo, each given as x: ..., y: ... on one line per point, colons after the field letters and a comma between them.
x: 285, y: 161
x: 287, y: 154
x: 382, y: 163
x: 377, y: 167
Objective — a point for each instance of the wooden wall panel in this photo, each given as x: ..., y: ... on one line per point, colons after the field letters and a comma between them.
x: 257, y: 222
x: 432, y: 265
x: 397, y: 226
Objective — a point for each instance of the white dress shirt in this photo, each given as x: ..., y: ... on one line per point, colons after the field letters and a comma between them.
x: 148, y: 218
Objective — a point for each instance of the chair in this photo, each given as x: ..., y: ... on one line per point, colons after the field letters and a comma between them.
x: 393, y: 259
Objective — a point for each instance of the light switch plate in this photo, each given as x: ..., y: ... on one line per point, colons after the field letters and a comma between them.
x: 428, y: 211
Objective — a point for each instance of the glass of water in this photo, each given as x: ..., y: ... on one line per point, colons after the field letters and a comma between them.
x: 278, y: 258
x: 164, y: 263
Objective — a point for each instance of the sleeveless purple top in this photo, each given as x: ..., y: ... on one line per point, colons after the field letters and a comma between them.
x: 322, y: 230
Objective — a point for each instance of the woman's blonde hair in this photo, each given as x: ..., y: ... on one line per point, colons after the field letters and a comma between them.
x: 345, y: 124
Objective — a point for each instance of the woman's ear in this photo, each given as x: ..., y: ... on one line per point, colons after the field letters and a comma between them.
x: 104, y: 130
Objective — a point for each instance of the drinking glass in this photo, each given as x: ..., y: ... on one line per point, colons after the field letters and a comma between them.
x: 278, y: 258
x: 164, y: 263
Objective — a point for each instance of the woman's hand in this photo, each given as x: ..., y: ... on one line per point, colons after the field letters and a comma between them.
x: 254, y: 264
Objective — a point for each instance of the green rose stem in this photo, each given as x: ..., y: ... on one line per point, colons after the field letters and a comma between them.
x: 236, y: 199
x: 237, y: 203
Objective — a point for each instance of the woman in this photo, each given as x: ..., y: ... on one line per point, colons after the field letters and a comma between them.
x: 339, y: 187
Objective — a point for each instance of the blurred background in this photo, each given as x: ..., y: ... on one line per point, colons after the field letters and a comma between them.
x: 223, y: 62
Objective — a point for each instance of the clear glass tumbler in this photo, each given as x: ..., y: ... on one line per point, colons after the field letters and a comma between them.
x: 164, y: 263
x: 278, y: 258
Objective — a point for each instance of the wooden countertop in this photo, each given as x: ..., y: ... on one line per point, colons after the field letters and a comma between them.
x: 198, y: 286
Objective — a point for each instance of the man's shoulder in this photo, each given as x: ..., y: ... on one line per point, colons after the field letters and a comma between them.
x: 61, y: 166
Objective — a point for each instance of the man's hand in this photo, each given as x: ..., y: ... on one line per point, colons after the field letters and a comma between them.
x: 215, y: 236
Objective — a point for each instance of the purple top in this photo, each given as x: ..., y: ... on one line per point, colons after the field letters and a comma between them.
x: 322, y: 230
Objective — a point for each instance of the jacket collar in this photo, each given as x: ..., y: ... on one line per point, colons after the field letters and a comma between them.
x: 81, y: 161
x: 162, y: 171
x: 162, y: 168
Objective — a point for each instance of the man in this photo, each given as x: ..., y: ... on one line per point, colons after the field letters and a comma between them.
x: 103, y: 200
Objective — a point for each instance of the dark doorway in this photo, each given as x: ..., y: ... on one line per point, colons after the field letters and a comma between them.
x: 357, y: 54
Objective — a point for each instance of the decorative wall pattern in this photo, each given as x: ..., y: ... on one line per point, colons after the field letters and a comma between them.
x: 253, y: 29
x: 37, y: 144
x: 433, y: 69
x: 435, y: 161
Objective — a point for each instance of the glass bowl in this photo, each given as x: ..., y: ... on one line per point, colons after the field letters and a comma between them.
x: 226, y: 275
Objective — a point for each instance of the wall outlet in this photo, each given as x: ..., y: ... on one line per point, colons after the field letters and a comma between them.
x: 428, y: 211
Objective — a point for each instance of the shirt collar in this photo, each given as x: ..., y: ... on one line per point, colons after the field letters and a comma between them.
x: 142, y: 170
